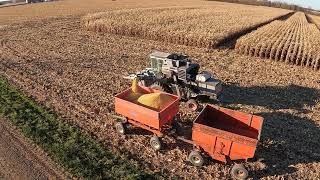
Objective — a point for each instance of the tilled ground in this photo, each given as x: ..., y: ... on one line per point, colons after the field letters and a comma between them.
x: 20, y: 159
x: 78, y: 72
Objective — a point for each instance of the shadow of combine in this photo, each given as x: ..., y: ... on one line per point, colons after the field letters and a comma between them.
x: 287, y: 140
x: 273, y: 97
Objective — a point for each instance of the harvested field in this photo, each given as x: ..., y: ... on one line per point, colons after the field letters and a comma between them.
x: 294, y: 41
x: 77, y: 72
x: 191, y: 26
x: 35, y: 11
x: 315, y: 19
x: 21, y: 159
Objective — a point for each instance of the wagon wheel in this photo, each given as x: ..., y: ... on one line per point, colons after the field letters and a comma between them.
x: 120, y: 128
x: 195, y: 158
x: 193, y: 105
x: 238, y: 171
x: 155, y: 143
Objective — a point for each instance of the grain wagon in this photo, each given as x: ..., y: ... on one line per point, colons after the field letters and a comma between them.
x: 155, y: 121
x: 225, y: 135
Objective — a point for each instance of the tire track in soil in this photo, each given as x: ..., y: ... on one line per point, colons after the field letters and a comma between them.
x: 21, y: 159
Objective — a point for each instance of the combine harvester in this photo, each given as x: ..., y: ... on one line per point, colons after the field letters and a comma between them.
x: 222, y: 134
x: 176, y: 74
x: 2, y: 2
x: 7, y: 3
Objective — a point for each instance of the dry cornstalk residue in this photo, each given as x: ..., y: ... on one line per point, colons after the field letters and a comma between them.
x: 77, y: 73
x: 314, y: 19
x: 294, y: 41
x: 191, y: 26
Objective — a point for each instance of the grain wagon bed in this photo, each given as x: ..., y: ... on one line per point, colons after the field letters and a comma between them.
x: 155, y: 121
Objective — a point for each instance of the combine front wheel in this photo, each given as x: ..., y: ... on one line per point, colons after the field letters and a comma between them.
x: 157, y: 86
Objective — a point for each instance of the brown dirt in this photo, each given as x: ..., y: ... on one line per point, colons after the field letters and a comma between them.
x: 78, y: 72
x: 20, y: 159
x: 36, y: 11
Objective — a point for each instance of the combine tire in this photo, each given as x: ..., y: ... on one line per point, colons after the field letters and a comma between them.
x: 193, y: 105
x: 160, y: 87
x: 196, y: 159
x: 239, y: 172
x: 155, y: 143
x: 120, y: 128
x: 220, y: 98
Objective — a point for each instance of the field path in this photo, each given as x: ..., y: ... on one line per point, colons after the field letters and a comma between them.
x: 19, y: 159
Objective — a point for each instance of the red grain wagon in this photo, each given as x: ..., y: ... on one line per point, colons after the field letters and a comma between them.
x: 225, y: 135
x: 155, y: 121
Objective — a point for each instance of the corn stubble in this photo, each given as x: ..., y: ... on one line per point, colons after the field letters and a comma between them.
x: 315, y: 19
x: 77, y: 73
x: 191, y: 26
x: 294, y: 41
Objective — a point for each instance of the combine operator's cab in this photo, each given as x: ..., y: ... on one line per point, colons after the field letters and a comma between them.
x: 175, y: 73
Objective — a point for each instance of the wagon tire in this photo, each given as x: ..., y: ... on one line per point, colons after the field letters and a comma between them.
x: 196, y: 158
x: 120, y: 128
x: 155, y: 143
x: 193, y: 105
x: 239, y: 172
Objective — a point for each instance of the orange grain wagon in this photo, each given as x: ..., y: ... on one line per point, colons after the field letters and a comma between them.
x: 155, y: 121
x: 225, y: 135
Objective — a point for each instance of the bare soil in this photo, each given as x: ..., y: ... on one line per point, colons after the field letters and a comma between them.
x: 20, y: 159
x: 77, y: 73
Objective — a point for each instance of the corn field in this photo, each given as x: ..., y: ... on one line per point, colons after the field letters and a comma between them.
x: 191, y: 26
x: 315, y: 20
x: 76, y: 73
x: 294, y: 41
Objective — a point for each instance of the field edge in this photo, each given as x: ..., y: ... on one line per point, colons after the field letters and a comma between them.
x: 80, y: 154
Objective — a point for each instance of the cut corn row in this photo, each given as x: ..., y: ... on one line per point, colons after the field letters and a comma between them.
x: 191, y: 26
x: 293, y: 41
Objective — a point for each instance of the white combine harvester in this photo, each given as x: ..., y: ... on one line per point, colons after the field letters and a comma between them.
x: 5, y: 2
x: 17, y: 2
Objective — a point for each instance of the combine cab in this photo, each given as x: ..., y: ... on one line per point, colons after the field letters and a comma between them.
x: 175, y: 73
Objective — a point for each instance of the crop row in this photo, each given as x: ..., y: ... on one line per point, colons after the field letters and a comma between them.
x: 293, y: 41
x: 191, y: 26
